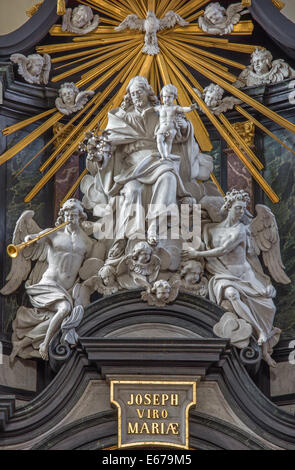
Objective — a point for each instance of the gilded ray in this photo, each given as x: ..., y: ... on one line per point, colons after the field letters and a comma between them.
x: 74, y: 187
x: 188, y: 58
x: 60, y: 162
x: 106, y: 60
x: 108, y: 74
x: 215, y: 181
x: 20, y: 125
x: 200, y: 131
x: 240, y: 141
x: 65, y: 141
x: 163, y: 69
x: 197, y: 51
x: 262, y: 127
x: 242, y: 96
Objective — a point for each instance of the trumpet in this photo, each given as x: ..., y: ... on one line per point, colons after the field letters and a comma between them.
x: 14, y: 250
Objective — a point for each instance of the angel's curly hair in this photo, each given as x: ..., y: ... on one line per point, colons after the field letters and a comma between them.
x: 71, y: 204
x: 262, y: 53
x: 69, y: 85
x: 142, y: 81
x: 160, y: 283
x: 216, y: 89
x: 89, y: 13
x: 214, y: 6
x: 170, y: 89
x: 233, y: 196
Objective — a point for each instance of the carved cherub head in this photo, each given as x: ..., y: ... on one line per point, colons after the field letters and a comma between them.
x: 108, y: 275
x: 142, y: 252
x: 34, y: 69
x: 161, y: 289
x: 82, y: 15
x: 215, y: 13
x: 80, y: 20
x: 68, y: 92
x: 261, y: 60
x: 191, y: 271
x: 72, y: 211
x: 212, y: 95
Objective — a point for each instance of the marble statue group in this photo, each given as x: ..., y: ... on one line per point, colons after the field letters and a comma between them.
x: 143, y: 170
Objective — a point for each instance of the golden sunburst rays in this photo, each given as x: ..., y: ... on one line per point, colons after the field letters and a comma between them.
x: 105, y: 60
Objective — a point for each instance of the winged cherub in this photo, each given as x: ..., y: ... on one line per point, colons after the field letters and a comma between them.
x: 162, y: 292
x: 34, y: 69
x: 213, y: 98
x: 151, y: 25
x: 53, y: 285
x: 237, y: 280
x: 70, y: 99
x: 218, y: 20
x: 79, y: 20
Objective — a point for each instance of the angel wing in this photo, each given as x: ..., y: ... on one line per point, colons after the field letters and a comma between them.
x: 82, y: 98
x: 226, y: 103
x: 265, y: 235
x: 171, y: 19
x: 46, y: 69
x: 21, y: 265
x: 233, y: 12
x: 174, y: 282
x: 66, y: 20
x: 22, y: 63
x: 131, y: 22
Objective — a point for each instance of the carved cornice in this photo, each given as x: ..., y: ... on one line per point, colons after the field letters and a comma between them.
x: 27, y: 425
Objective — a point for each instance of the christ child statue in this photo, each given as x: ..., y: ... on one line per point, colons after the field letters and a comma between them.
x: 168, y: 127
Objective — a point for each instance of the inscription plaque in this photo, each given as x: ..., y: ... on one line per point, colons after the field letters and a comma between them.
x: 153, y: 412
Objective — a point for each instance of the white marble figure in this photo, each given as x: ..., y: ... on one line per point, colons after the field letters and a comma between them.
x: 53, y: 285
x: 151, y: 25
x: 105, y: 282
x: 134, y: 173
x: 34, y: 69
x: 70, y: 99
x: 213, y: 98
x: 192, y: 279
x: 237, y: 281
x: 236, y: 329
x: 218, y: 20
x: 263, y: 70
x: 143, y: 264
x: 161, y: 292
x: 168, y: 126
x: 79, y: 20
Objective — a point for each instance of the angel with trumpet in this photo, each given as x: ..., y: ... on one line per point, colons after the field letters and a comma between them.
x: 63, y: 258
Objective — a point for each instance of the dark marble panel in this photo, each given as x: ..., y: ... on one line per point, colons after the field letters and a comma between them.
x: 17, y: 188
x: 280, y: 174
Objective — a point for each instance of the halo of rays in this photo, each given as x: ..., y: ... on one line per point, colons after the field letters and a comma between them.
x: 105, y: 60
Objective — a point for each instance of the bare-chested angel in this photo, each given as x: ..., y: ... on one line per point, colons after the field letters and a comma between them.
x: 62, y: 259
x: 168, y: 127
x: 237, y: 281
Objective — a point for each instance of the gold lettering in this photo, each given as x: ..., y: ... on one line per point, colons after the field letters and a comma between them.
x: 140, y: 413
x: 138, y: 399
x: 131, y: 401
x: 144, y: 428
x: 174, y: 399
x: 155, y: 414
x: 173, y: 427
x: 132, y: 430
x: 155, y: 428
x: 165, y: 398
x: 156, y: 400
x: 164, y: 414
x: 147, y: 399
